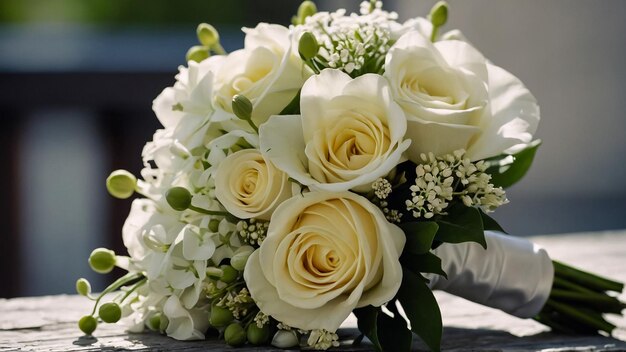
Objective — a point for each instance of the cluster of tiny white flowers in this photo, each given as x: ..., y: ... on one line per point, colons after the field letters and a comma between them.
x: 283, y: 326
x: 382, y: 188
x: 261, y: 319
x: 348, y: 42
x: 478, y: 190
x: 433, y: 187
x: 437, y: 178
x: 321, y: 339
x: 392, y: 215
x: 253, y: 231
x: 237, y: 302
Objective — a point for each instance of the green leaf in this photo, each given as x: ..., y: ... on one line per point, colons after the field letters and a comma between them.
x: 393, y: 333
x: 419, y: 235
x: 293, y: 108
x: 462, y: 224
x: 489, y: 223
x: 422, y: 310
x: 506, y: 170
x: 367, y: 318
x: 423, y: 263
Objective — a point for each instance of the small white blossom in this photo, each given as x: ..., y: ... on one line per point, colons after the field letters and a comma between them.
x: 437, y: 178
x: 323, y: 339
x: 253, y: 231
x: 348, y: 42
x: 382, y: 188
x: 237, y: 302
x: 261, y: 319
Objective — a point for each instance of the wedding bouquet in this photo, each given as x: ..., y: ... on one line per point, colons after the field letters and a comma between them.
x: 346, y: 164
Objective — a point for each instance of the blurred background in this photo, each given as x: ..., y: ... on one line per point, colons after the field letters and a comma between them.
x: 77, y: 79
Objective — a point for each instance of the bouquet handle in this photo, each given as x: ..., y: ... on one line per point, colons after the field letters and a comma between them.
x: 512, y: 274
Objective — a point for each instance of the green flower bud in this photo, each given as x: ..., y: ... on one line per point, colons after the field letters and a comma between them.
x: 83, y: 287
x: 220, y: 316
x: 230, y: 274
x: 214, y: 225
x: 121, y: 184
x: 306, y: 9
x: 87, y: 324
x: 197, y: 53
x: 178, y: 198
x: 308, y: 46
x: 285, y: 339
x: 240, y: 258
x: 102, y: 260
x: 207, y: 35
x: 154, y: 323
x: 439, y: 14
x: 214, y: 273
x: 257, y: 335
x: 110, y: 312
x: 242, y: 107
x: 234, y: 335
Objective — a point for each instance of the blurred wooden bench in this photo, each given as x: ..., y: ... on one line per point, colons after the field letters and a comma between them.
x: 49, y: 323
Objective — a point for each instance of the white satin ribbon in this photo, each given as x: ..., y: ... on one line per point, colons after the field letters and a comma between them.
x: 512, y: 274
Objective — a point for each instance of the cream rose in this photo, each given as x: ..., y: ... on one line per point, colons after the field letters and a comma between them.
x: 249, y: 186
x: 350, y: 132
x: 455, y: 99
x: 267, y: 71
x: 324, y: 255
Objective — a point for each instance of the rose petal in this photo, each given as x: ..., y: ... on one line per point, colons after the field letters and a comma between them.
x: 515, y: 116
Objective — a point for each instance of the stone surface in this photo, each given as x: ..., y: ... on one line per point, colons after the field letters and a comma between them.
x: 49, y: 323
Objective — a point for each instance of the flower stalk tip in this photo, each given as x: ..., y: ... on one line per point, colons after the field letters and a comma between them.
x: 308, y: 47
x: 438, y: 17
x: 306, y: 9
x: 121, y: 184
x: 197, y: 53
x: 102, y: 261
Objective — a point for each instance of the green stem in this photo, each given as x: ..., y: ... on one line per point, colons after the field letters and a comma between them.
x: 589, y: 280
x: 208, y: 212
x: 564, y: 283
x: 115, y: 285
x: 256, y: 129
x: 597, y: 301
x: 544, y: 318
x: 433, y: 35
x: 218, y: 49
x: 582, y: 316
x: 135, y: 287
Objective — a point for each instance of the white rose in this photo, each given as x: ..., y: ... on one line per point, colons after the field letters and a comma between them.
x: 455, y: 99
x: 249, y: 186
x: 267, y: 71
x: 325, y: 254
x: 350, y: 133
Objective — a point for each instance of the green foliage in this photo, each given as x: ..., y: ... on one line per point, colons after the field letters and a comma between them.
x: 419, y: 235
x: 422, y: 263
x: 367, y: 318
x: 293, y: 108
x: 489, y: 223
x: 506, y: 170
x: 385, y: 332
x: 393, y: 333
x: 422, y: 309
x: 462, y: 224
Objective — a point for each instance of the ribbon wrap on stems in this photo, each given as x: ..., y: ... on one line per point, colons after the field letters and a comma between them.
x: 512, y: 274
